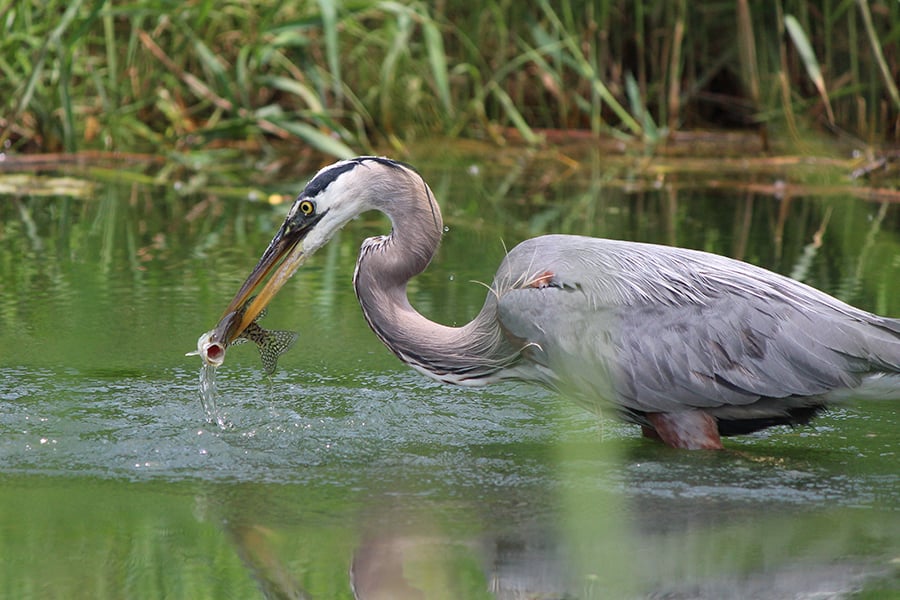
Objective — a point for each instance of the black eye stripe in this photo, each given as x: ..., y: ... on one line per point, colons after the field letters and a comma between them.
x: 323, y: 180
x: 326, y: 178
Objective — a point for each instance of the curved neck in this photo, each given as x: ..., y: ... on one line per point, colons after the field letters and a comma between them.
x: 469, y: 355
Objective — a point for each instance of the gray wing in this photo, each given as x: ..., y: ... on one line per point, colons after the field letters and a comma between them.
x: 659, y: 329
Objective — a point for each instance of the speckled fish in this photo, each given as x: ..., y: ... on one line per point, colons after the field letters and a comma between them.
x: 270, y: 343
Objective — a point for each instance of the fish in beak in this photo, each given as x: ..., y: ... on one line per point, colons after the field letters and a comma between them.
x: 335, y: 195
x: 284, y: 255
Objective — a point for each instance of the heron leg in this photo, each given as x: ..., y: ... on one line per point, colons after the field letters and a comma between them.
x: 650, y: 433
x: 691, y: 430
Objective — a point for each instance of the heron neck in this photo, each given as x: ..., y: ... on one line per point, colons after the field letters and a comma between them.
x: 473, y: 354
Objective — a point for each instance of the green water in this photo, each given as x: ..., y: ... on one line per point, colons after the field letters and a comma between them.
x: 348, y: 467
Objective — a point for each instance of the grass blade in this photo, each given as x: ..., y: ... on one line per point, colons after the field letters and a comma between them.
x: 514, y: 115
x: 292, y: 86
x: 879, y: 55
x: 808, y: 56
x: 633, y: 92
x: 316, y: 138
x: 434, y: 44
x: 329, y: 24
x: 747, y: 52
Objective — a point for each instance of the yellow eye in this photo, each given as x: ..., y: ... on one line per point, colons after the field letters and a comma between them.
x: 307, y: 208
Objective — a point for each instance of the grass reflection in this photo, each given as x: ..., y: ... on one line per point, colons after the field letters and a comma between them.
x: 597, y: 540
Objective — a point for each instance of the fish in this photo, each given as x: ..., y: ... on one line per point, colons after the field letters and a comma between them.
x: 271, y: 343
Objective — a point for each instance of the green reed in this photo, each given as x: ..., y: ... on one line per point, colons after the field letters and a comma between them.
x: 346, y: 77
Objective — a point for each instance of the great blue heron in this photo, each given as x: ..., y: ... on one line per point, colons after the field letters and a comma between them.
x: 689, y: 345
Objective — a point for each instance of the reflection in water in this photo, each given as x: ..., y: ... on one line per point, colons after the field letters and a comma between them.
x: 761, y: 551
x: 270, y: 573
x: 346, y: 468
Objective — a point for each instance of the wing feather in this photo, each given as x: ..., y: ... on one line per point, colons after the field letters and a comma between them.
x: 659, y: 329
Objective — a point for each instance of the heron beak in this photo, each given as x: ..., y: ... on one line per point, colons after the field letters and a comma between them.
x: 282, y: 259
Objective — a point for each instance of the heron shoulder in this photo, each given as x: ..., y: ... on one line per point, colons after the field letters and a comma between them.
x: 622, y: 273
x: 609, y: 272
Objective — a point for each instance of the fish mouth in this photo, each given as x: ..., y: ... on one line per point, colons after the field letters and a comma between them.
x: 209, y: 349
x: 282, y: 258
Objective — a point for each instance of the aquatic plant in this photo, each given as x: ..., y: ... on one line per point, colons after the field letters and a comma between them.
x: 346, y: 77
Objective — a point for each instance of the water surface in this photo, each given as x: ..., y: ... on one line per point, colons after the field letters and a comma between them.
x: 348, y: 468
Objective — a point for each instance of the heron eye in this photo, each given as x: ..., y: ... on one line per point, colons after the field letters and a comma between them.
x: 307, y: 208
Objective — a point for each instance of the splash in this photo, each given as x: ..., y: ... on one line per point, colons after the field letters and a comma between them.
x: 208, y: 394
x: 211, y: 349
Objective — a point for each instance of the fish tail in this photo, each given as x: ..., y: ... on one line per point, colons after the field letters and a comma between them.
x: 272, y: 344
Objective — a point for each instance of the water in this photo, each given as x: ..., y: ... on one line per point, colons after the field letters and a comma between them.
x: 209, y: 396
x: 346, y: 467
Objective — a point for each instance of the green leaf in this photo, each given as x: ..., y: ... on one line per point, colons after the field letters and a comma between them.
x: 514, y: 115
x: 292, y: 86
x: 329, y: 25
x: 317, y: 139
x: 808, y: 56
x: 434, y: 44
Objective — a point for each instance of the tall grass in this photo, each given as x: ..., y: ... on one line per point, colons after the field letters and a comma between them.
x: 339, y: 78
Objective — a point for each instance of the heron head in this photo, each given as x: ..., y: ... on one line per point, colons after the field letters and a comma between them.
x: 336, y: 194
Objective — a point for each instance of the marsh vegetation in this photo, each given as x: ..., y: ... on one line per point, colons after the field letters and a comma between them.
x: 342, y: 78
